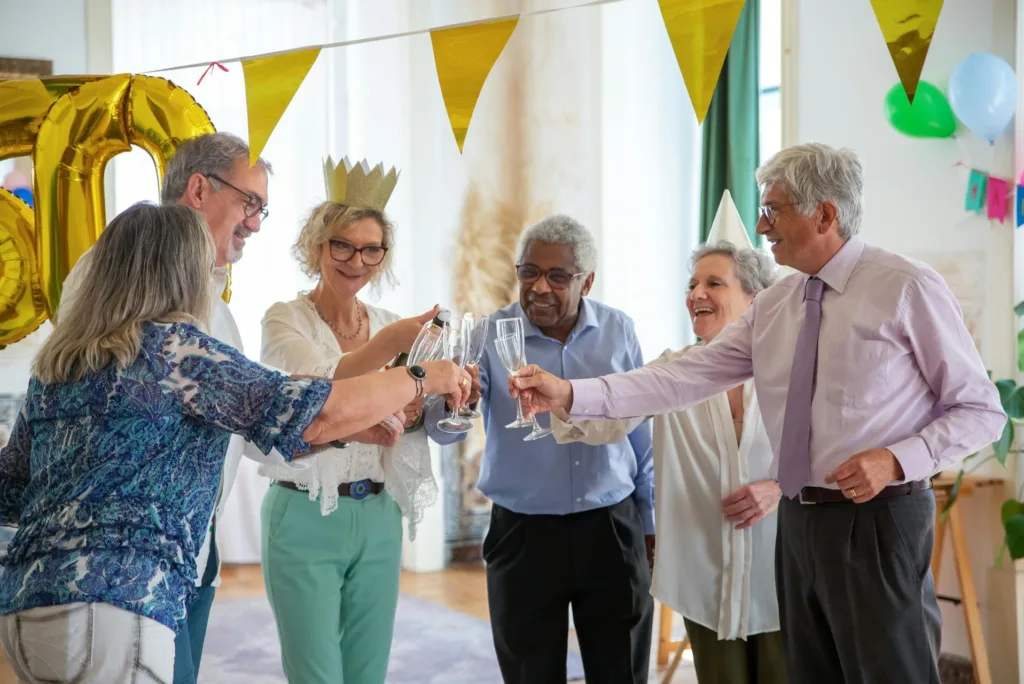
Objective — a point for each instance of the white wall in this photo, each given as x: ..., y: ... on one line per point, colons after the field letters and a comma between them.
x: 914, y: 205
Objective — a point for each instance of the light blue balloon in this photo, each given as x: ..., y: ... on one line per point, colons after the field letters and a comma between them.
x: 983, y: 94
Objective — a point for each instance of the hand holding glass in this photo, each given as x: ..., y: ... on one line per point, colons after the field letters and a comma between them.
x: 511, y: 346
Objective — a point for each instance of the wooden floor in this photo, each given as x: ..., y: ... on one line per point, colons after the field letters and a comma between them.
x: 461, y: 588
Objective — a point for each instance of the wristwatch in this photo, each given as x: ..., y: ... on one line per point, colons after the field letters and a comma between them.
x: 417, y: 373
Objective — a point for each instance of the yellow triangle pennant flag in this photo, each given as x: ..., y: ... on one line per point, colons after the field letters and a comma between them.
x: 700, y: 32
x: 270, y: 85
x: 464, y: 57
x: 908, y: 27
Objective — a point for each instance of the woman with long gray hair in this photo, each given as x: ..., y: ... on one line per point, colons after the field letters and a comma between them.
x: 115, y: 459
x: 715, y: 508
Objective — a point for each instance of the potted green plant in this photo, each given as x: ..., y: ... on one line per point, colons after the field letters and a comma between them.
x: 1012, y: 398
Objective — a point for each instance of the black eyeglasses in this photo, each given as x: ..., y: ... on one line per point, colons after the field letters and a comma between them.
x: 253, y: 204
x: 371, y: 255
x: 556, y: 277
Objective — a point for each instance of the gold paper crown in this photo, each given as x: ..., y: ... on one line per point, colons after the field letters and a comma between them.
x: 358, y: 186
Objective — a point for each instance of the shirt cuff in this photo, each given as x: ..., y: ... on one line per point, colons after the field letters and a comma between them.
x: 587, y: 398
x: 647, y: 515
x: 914, y: 457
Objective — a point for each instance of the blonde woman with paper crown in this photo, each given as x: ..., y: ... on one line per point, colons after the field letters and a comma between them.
x: 715, y: 506
x: 332, y: 533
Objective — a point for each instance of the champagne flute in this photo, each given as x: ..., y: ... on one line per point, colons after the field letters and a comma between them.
x: 478, y: 326
x: 511, y: 346
x: 456, y: 343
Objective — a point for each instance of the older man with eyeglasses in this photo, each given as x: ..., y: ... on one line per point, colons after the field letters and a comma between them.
x: 572, y: 525
x: 211, y: 174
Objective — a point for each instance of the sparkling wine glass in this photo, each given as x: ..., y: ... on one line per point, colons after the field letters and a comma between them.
x: 478, y: 326
x: 456, y: 343
x: 511, y: 346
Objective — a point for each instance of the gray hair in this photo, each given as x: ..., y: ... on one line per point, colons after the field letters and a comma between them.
x: 814, y: 173
x: 152, y: 263
x: 562, y: 230
x: 755, y: 270
x: 213, y: 154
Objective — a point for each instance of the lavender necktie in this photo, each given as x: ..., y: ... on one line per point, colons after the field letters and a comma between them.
x: 795, y: 456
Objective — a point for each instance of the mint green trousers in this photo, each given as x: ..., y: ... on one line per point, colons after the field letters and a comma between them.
x: 332, y: 582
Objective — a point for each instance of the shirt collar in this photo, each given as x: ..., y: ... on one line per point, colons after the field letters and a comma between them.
x: 586, y: 319
x: 836, y: 273
x: 219, y: 281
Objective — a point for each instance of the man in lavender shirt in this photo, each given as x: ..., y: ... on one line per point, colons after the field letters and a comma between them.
x: 869, y: 384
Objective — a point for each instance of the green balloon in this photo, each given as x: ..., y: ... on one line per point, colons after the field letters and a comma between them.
x: 929, y: 117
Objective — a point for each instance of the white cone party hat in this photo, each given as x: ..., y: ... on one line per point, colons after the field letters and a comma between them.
x: 728, y: 225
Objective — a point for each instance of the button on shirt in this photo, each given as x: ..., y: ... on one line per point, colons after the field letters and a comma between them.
x: 542, y: 476
x: 897, y: 368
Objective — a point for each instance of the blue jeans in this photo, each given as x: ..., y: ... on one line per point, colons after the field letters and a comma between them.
x: 188, y: 642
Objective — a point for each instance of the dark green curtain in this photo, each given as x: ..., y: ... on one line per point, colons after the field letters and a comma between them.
x: 730, y: 129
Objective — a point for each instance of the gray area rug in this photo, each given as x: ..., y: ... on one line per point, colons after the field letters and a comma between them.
x: 432, y: 645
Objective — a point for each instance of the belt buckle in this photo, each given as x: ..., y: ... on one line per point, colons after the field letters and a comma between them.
x: 359, y: 490
x: 802, y: 500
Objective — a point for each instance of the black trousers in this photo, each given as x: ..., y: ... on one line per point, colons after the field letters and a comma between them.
x: 855, y: 588
x: 539, y: 565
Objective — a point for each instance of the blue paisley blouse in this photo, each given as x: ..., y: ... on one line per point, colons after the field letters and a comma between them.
x: 112, y: 480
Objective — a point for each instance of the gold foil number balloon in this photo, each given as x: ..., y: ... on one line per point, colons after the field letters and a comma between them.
x: 21, y: 301
x: 79, y: 134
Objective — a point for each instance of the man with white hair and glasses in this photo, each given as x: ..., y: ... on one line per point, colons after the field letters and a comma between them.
x: 572, y: 525
x: 869, y: 384
x: 211, y: 174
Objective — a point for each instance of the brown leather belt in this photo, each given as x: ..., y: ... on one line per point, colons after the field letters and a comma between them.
x: 820, y: 495
x: 355, y: 490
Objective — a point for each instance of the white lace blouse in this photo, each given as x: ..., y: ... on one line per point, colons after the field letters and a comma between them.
x: 296, y: 340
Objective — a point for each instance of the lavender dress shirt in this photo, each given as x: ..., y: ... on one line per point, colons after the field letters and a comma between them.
x: 897, y: 368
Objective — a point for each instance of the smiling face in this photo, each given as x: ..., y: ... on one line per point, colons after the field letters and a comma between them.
x: 224, y: 207
x: 551, y: 309
x: 716, y: 297
x: 348, y: 275
x: 805, y: 243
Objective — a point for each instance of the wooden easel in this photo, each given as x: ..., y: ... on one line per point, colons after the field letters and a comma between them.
x: 943, y: 484
x: 666, y: 644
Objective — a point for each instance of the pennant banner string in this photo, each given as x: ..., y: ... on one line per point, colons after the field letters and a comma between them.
x: 390, y: 36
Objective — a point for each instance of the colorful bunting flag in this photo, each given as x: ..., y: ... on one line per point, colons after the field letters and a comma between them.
x: 975, y: 192
x: 270, y: 85
x: 700, y: 32
x: 908, y: 26
x: 997, y: 196
x: 1020, y: 205
x: 464, y: 57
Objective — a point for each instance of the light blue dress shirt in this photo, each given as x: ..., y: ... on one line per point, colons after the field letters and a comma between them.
x: 542, y: 476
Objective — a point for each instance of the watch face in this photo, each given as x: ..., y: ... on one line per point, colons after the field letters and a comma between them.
x: 417, y: 372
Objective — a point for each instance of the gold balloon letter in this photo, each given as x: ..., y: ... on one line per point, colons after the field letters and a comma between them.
x: 79, y: 134
x: 21, y: 301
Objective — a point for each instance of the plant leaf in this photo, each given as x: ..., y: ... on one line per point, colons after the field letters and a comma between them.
x: 1010, y: 508
x: 1015, y: 536
x: 1014, y: 406
x: 1006, y: 387
x: 1019, y: 309
x: 954, y: 492
x: 1002, y: 447
x: 1020, y: 350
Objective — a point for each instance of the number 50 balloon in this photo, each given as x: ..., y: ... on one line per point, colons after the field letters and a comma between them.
x: 983, y: 94
x: 72, y: 126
